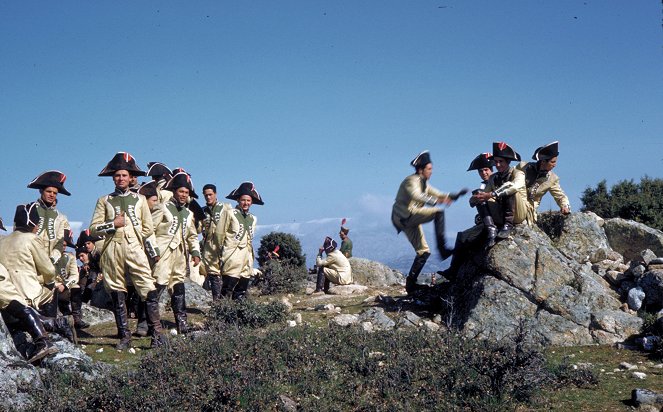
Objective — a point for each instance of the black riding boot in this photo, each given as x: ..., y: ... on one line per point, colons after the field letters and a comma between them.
x: 326, y: 287
x: 415, y: 270
x: 240, y: 290
x: 488, y: 223
x: 153, y: 316
x: 178, y: 304
x: 77, y: 308
x: 509, y: 208
x: 320, y: 281
x: 29, y: 321
x: 439, y: 235
x: 141, y: 316
x: 57, y: 324
x: 215, y: 286
x: 229, y: 284
x: 121, y: 319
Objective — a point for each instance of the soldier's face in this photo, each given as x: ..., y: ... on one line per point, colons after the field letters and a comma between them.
x: 182, y: 194
x: 245, y: 202
x: 89, y: 246
x: 122, y: 179
x: 501, y: 164
x: 49, y: 195
x: 210, y: 197
x: 427, y: 171
x: 485, y: 173
x: 152, y: 202
x: 548, y: 165
x: 83, y: 258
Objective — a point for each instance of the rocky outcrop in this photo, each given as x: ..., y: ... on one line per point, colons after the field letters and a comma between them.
x: 552, y: 287
x: 196, y: 296
x: 369, y: 273
x: 629, y: 238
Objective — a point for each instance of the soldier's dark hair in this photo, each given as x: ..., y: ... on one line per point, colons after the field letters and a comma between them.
x: 209, y: 186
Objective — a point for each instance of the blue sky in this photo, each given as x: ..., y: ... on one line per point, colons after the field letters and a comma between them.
x: 323, y: 104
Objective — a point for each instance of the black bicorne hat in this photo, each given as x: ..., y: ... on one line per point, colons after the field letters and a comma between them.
x: 546, y: 152
x: 158, y: 169
x: 177, y: 171
x: 196, y: 209
x: 421, y: 160
x: 246, y: 188
x: 86, y: 237
x: 503, y: 150
x: 69, y: 238
x: 329, y: 244
x: 122, y: 161
x: 26, y: 215
x: 2, y: 225
x: 181, y: 179
x: 51, y: 178
x: 482, y: 161
x: 148, y: 189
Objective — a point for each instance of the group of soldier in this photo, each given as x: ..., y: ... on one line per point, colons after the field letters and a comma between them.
x: 142, y: 239
x: 505, y: 198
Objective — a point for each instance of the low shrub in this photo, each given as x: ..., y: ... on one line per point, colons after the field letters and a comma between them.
x: 280, y: 277
x: 246, y: 313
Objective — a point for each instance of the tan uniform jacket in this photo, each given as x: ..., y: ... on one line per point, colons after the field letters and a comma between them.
x: 538, y: 185
x: 170, y: 234
x: 336, y: 267
x: 514, y: 186
x: 67, y: 271
x: 138, y: 219
x: 52, y: 225
x: 237, y: 243
x: 211, y: 253
x: 413, y: 195
x: 8, y: 291
x: 29, y: 267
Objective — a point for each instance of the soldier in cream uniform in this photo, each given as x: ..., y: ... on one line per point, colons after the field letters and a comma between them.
x: 234, y: 234
x: 124, y: 218
x: 540, y: 179
x: 176, y: 239
x: 160, y: 174
x: 211, y: 250
x: 52, y: 223
x: 335, y: 268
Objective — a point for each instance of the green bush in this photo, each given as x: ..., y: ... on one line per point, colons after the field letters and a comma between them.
x: 641, y: 202
x: 290, y: 249
x: 246, y: 313
x: 279, y: 277
x: 333, y: 369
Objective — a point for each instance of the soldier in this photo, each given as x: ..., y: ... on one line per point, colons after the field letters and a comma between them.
x: 30, y: 268
x: 177, y: 239
x: 124, y: 218
x: 211, y: 251
x: 234, y: 233
x: 89, y: 274
x: 160, y: 174
x: 70, y: 300
x: 506, y: 189
x: 335, y: 268
x: 52, y: 223
x: 346, y: 243
x: 414, y: 206
x: 12, y: 306
x: 540, y: 179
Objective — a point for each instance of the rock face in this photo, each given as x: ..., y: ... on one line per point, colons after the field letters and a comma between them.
x: 196, y: 296
x: 551, y: 288
x: 375, y: 274
x: 631, y: 238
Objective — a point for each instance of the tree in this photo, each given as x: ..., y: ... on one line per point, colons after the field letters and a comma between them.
x: 285, y: 270
x: 289, y: 249
x: 641, y: 202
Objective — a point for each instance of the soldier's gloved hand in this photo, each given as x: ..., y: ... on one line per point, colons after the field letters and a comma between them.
x: 461, y: 192
x: 196, y: 261
x: 119, y: 222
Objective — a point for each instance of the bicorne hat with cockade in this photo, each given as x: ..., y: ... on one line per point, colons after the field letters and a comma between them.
x: 148, y: 189
x: 52, y: 178
x: 85, y: 236
x: 158, y: 169
x: 69, y: 238
x: 26, y: 216
x: 181, y: 179
x: 503, y: 150
x: 329, y: 244
x: 178, y: 170
x: 421, y: 160
x: 482, y: 161
x: 246, y: 188
x: 122, y: 161
x: 546, y: 152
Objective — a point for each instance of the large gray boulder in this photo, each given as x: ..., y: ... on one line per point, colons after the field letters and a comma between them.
x: 630, y: 238
x: 581, y: 236
x: 528, y: 279
x: 196, y: 296
x: 369, y: 273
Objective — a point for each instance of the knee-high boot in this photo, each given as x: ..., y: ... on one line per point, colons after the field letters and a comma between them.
x: 215, y: 286
x: 121, y: 319
x: 178, y: 304
x: 440, y: 237
x: 229, y: 284
x: 153, y: 315
x: 488, y: 223
x: 141, y: 316
x: 320, y: 281
x: 77, y: 308
x: 415, y: 270
x: 239, y: 293
x: 30, y: 321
